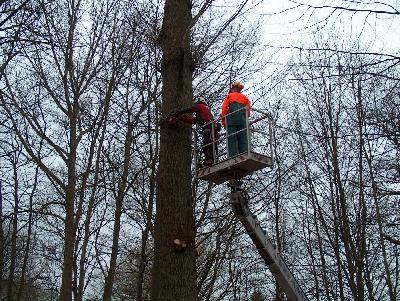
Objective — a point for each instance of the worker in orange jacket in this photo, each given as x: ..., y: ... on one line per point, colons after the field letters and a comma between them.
x: 234, y: 109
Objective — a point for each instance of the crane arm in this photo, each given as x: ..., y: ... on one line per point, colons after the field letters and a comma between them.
x: 265, y: 247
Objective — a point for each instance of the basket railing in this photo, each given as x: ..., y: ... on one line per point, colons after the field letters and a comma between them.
x: 259, y: 136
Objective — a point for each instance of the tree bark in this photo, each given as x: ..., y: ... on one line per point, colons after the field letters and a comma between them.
x: 10, y: 288
x: 69, y: 226
x: 174, y: 275
x: 28, y: 237
x: 1, y: 239
x: 149, y: 213
x: 122, y: 184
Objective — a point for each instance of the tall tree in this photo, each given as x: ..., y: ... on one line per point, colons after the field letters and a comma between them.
x: 174, y: 275
x: 80, y: 105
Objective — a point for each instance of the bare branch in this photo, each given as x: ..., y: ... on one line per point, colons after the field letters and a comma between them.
x: 391, y: 239
x: 394, y: 12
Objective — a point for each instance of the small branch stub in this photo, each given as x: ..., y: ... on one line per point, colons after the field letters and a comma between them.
x: 179, y: 245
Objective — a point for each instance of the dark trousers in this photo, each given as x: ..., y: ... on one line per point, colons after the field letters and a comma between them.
x: 237, y: 139
x: 210, y: 145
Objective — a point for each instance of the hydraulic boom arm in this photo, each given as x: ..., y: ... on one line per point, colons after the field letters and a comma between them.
x: 275, y: 263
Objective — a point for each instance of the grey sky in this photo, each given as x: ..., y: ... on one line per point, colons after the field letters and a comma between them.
x: 288, y: 24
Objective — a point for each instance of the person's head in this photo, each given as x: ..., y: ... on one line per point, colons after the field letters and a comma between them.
x: 236, y: 87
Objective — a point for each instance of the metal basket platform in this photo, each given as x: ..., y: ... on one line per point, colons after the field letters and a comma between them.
x: 234, y: 168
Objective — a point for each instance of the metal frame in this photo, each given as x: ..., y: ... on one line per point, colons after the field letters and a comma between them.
x: 253, y: 159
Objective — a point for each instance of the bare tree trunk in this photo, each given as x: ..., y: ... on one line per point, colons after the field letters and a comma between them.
x: 277, y: 205
x: 70, y: 223
x: 340, y: 194
x: 314, y: 222
x: 143, y: 256
x: 13, y: 258
x: 362, y: 209
x: 375, y: 196
x: 149, y: 212
x: 118, y: 211
x: 89, y: 211
x: 1, y: 239
x: 174, y: 274
x: 70, y: 188
x: 28, y: 235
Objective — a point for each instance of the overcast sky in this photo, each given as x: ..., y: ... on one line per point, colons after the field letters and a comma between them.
x: 285, y: 25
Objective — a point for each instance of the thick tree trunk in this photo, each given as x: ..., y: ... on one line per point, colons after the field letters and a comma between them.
x: 174, y: 275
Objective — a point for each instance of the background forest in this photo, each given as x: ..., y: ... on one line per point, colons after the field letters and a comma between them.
x: 80, y: 110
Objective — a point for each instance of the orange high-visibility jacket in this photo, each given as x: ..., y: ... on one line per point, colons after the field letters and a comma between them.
x: 234, y: 97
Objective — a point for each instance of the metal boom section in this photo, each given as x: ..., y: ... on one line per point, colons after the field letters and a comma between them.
x: 267, y: 250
